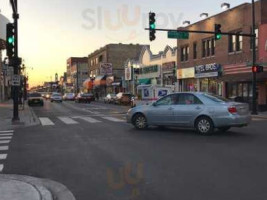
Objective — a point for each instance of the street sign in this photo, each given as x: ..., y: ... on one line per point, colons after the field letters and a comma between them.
x: 178, y: 35
x: 16, y: 80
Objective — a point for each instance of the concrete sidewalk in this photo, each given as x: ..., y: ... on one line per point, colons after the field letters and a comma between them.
x: 261, y: 115
x: 26, y: 115
x: 17, y: 187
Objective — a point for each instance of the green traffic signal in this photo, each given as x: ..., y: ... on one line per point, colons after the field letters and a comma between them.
x: 11, y: 40
x: 218, y: 36
x: 153, y: 26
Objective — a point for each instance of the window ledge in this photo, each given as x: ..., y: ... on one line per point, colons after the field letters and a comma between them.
x: 235, y: 52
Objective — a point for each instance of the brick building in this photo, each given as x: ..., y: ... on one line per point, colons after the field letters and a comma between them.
x: 221, y: 67
x: 106, y: 66
x: 77, y: 73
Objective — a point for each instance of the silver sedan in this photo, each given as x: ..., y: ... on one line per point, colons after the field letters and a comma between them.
x: 201, y: 111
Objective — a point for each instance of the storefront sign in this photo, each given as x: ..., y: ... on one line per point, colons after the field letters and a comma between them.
x: 128, y: 73
x: 16, y: 80
x: 186, y: 73
x: 109, y: 80
x: 106, y: 68
x: 149, y: 69
x: 209, y: 70
x: 166, y: 67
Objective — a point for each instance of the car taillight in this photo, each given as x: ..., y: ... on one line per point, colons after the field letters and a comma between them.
x: 232, y: 110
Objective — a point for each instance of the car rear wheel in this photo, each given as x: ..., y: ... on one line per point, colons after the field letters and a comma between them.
x: 204, y: 126
x: 224, y: 129
x: 140, y: 121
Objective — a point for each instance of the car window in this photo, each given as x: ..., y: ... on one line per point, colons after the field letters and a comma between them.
x: 168, y: 100
x: 216, y: 98
x: 188, y: 99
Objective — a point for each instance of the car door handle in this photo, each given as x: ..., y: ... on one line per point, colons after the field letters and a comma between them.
x: 198, y: 108
x: 170, y: 108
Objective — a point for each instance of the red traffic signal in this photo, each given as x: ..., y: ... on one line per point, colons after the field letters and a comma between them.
x: 257, y: 69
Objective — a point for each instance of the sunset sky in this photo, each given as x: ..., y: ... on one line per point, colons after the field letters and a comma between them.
x: 50, y: 31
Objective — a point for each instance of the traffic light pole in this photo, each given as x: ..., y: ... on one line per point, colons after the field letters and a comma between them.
x: 254, y: 76
x: 16, y: 89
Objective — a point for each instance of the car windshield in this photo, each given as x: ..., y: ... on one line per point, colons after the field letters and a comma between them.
x: 56, y: 95
x: 35, y: 95
x: 216, y: 98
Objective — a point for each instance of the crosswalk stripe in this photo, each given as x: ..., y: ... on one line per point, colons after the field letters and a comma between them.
x: 67, y: 120
x: 88, y: 119
x: 3, y: 148
x: 1, y: 167
x: 4, y: 141
x: 3, y: 156
x: 5, y: 138
x: 6, y: 134
x: 9, y: 131
x: 113, y: 119
x: 46, y: 121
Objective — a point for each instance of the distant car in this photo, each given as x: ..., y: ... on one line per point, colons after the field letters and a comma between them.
x: 84, y: 98
x: 123, y: 98
x: 47, y: 96
x: 35, y: 99
x: 110, y: 98
x: 57, y: 97
x: 201, y: 111
x: 69, y: 97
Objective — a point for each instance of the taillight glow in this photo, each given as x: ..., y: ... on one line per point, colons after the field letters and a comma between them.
x: 232, y: 110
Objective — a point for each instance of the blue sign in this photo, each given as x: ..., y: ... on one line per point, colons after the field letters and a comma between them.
x: 162, y: 93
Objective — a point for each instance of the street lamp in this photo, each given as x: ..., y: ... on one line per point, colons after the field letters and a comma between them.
x: 204, y: 15
x: 225, y: 6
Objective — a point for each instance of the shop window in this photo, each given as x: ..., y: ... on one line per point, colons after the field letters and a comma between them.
x: 240, y: 90
x: 195, y: 50
x: 257, y: 38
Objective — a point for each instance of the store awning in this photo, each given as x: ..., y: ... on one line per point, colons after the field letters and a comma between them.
x: 100, y: 80
x: 144, y: 81
x: 88, y: 84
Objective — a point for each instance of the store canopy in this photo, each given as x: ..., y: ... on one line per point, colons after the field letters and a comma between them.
x: 144, y: 81
x: 100, y: 81
x: 88, y: 84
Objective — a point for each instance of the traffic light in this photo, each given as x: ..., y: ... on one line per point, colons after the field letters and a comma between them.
x: 257, y: 69
x: 10, y: 40
x: 152, y: 26
x: 218, y: 32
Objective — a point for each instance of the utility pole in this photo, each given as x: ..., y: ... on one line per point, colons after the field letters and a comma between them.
x: 254, y: 76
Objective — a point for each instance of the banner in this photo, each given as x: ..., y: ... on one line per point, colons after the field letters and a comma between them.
x: 105, y: 68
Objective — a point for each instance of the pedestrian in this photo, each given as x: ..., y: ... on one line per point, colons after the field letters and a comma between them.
x: 97, y: 96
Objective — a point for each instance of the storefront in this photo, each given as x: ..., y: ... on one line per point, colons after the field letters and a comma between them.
x: 168, y: 73
x: 208, y: 78
x: 186, y: 79
x: 149, y: 75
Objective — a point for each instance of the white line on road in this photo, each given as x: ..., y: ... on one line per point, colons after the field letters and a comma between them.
x: 3, y: 148
x: 1, y: 168
x: 5, y: 138
x: 67, y: 120
x: 6, y: 134
x: 46, y: 121
x: 3, y: 156
x: 113, y: 119
x: 88, y: 119
x: 4, y: 141
x: 10, y: 131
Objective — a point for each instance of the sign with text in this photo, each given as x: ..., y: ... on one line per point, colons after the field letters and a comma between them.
x: 209, y: 70
x: 149, y: 69
x: 184, y: 73
x: 178, y: 35
x: 106, y: 69
x: 167, y: 67
x: 16, y: 80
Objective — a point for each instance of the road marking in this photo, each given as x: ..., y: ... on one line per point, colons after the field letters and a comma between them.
x: 6, y: 134
x: 88, y: 119
x: 10, y: 131
x: 46, y: 121
x: 3, y: 156
x: 113, y: 119
x: 3, y: 148
x: 67, y: 120
x: 1, y: 168
x: 4, y: 141
x: 5, y: 138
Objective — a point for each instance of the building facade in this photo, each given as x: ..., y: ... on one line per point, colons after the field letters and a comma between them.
x: 106, y: 66
x: 222, y: 66
x: 77, y: 73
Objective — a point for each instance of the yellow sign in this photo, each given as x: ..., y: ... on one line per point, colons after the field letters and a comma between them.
x: 186, y: 73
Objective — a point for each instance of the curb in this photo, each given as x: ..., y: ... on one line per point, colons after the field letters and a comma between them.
x: 47, y: 189
x: 259, y: 116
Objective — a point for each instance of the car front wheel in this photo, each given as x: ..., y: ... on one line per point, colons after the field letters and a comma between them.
x: 204, y: 126
x: 140, y: 121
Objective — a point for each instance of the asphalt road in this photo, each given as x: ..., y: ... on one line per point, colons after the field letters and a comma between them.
x: 100, y: 158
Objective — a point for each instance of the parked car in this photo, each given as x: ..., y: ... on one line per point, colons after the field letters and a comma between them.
x: 84, y: 98
x: 123, y: 98
x: 201, y: 111
x: 69, y: 97
x: 57, y: 97
x: 35, y: 99
x: 110, y: 98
